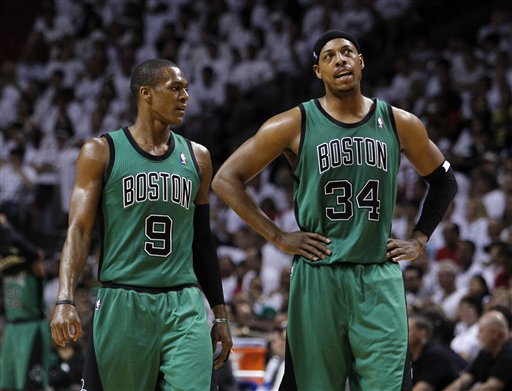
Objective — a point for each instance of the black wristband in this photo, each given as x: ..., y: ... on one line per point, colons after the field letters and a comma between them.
x: 70, y: 302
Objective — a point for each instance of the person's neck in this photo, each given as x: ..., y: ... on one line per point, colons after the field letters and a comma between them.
x: 150, y: 132
x: 152, y: 137
x: 350, y: 107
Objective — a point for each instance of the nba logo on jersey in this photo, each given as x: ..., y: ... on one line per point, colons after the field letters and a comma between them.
x: 98, y: 304
x: 183, y: 158
x: 380, y: 123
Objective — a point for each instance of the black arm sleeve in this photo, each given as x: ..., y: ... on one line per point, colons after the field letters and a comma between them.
x: 206, y: 263
x: 441, y: 192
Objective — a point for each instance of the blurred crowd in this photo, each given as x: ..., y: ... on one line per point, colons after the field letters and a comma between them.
x: 247, y: 60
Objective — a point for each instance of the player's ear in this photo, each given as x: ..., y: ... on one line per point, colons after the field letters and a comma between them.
x: 145, y: 93
x: 361, y: 61
x: 316, y: 69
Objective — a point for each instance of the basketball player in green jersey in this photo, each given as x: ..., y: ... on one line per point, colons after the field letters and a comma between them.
x: 149, y: 188
x: 347, y: 311
x: 25, y: 344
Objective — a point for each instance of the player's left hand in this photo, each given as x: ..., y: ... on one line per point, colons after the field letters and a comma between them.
x: 220, y: 333
x: 403, y: 250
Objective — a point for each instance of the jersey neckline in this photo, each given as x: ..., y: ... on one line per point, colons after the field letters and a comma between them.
x: 365, y: 119
x: 171, y: 144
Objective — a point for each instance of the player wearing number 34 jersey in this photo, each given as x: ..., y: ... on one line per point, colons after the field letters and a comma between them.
x: 347, y: 317
x: 346, y: 181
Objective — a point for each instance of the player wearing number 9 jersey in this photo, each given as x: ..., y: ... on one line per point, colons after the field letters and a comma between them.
x: 155, y: 194
x: 149, y: 188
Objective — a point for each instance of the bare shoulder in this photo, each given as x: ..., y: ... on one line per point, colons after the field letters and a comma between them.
x: 95, y: 150
x: 202, y: 155
x: 415, y: 143
x: 281, y: 131
x: 285, y: 121
x: 404, y: 118
x: 201, y: 152
x: 92, y: 163
x: 203, y: 158
x: 409, y: 127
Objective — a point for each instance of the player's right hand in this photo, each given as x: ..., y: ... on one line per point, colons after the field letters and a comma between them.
x: 65, y: 325
x: 310, y: 245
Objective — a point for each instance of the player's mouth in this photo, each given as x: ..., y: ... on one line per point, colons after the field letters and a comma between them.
x: 181, y: 109
x: 341, y: 75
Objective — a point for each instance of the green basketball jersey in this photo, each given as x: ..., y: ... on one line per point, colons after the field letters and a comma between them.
x: 147, y: 214
x: 23, y: 296
x: 345, y: 181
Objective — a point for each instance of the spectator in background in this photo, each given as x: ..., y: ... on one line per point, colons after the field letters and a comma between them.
x: 67, y: 154
x: 474, y: 226
x: 498, y: 267
x: 46, y: 106
x: 433, y: 365
x: 413, y: 282
x: 491, y: 368
x: 401, y: 13
x: 449, y: 295
x: 47, y: 200
x: 17, y: 191
x: 67, y: 61
x: 406, y: 213
x: 278, y: 299
x: 437, y: 240
x: 501, y: 256
x: 357, y: 17
x: 260, y: 187
x: 227, y: 270
x: 52, y: 25
x: 477, y: 287
x: 465, y: 343
x: 451, y: 249
x: 501, y: 300
x: 252, y: 72
x: 485, y: 186
x: 273, y: 260
x: 468, y: 265
x: 11, y: 93
x: 430, y: 269
x: 274, y: 368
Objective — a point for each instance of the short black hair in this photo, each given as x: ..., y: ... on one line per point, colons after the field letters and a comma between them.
x: 330, y: 35
x: 147, y: 73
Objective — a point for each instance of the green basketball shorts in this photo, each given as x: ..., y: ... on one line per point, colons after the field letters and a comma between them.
x: 148, y: 341
x: 24, y: 355
x: 347, y: 322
